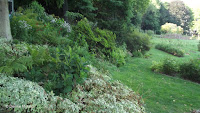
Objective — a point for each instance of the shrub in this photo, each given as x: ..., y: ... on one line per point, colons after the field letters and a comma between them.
x: 137, y: 41
x: 167, y: 66
x: 58, y: 69
x: 101, y: 42
x: 98, y: 40
x: 170, y: 66
x: 18, y: 95
x: 96, y: 94
x: 171, y: 28
x: 118, y: 56
x: 169, y: 49
x: 34, y: 26
x: 14, y: 58
x: 191, y: 70
x: 157, y: 66
x: 99, y: 94
x: 149, y: 32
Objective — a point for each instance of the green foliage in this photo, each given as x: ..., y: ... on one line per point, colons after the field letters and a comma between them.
x: 58, y: 69
x: 181, y: 15
x: 150, y: 19
x: 19, y: 95
x: 137, y: 41
x: 34, y: 26
x: 169, y: 49
x: 150, y: 32
x: 118, y: 56
x: 191, y: 70
x: 14, y: 58
x: 98, y: 93
x: 168, y: 66
x: 157, y: 66
x: 198, y: 46
x: 171, y: 28
x: 72, y: 16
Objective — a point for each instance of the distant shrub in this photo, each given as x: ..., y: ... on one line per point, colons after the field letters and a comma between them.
x: 137, y: 41
x: 188, y: 70
x: 169, y: 49
x: 137, y: 53
x: 157, y: 66
x: 191, y: 70
x: 149, y: 32
x: 168, y: 66
x: 171, y: 28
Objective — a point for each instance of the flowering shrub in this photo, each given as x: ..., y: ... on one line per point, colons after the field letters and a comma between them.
x: 34, y: 26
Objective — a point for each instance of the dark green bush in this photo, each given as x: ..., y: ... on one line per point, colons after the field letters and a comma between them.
x: 137, y: 41
x: 191, y: 70
x: 169, y: 49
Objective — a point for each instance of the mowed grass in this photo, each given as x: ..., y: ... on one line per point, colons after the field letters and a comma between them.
x: 161, y: 93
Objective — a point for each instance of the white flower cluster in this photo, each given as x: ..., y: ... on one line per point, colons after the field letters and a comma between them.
x: 24, y: 25
x: 67, y: 26
x: 54, y: 20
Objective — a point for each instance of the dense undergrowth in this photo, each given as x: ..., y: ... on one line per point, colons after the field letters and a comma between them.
x: 55, y: 57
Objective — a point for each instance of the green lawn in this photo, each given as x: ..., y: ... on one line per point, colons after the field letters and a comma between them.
x: 161, y: 93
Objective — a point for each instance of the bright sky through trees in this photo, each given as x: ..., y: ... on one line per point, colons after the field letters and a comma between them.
x: 191, y: 3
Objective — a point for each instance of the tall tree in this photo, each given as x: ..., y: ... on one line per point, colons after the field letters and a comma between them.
x: 164, y: 12
x: 151, y: 19
x: 4, y: 20
x: 181, y: 14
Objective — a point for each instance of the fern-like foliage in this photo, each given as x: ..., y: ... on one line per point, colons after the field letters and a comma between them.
x: 14, y: 58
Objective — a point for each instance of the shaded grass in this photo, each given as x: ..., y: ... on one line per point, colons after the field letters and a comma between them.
x: 162, y: 94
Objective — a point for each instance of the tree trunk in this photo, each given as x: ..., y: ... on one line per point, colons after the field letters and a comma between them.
x: 65, y: 9
x: 4, y: 20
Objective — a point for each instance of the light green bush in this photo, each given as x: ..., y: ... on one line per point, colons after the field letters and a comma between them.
x: 171, y: 28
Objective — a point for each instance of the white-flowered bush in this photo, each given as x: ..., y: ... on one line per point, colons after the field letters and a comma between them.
x: 24, y: 25
x: 24, y: 96
x: 98, y: 94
